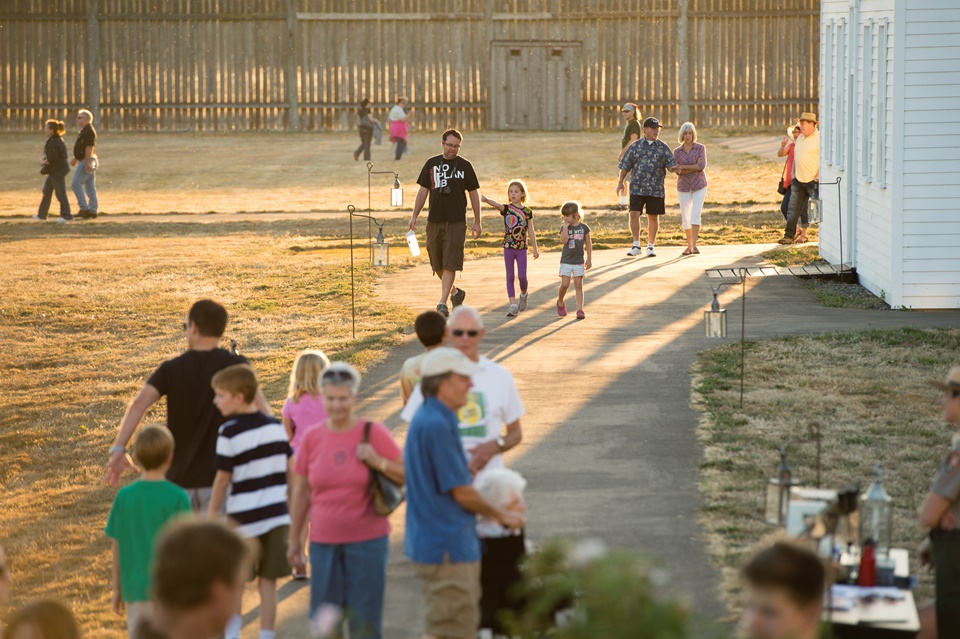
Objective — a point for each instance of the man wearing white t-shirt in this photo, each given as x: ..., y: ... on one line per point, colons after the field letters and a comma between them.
x: 493, y: 401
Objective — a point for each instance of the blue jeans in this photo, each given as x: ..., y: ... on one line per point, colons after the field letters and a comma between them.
x: 55, y: 184
x: 354, y: 577
x: 800, y: 194
x: 785, y: 210
x: 85, y: 182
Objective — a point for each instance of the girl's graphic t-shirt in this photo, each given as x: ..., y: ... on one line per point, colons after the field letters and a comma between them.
x: 573, y: 249
x: 515, y: 222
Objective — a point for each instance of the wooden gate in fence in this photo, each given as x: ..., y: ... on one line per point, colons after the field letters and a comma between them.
x: 233, y: 65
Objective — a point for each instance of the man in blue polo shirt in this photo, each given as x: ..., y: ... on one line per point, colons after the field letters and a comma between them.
x: 442, y: 504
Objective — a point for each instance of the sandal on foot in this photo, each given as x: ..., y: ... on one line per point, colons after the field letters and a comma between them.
x: 687, y: 252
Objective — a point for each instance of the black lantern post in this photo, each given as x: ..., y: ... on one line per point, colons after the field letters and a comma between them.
x: 777, y: 497
x: 715, y: 319
x: 379, y: 256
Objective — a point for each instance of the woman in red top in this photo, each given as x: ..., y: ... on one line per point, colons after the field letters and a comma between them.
x: 331, y: 480
x: 786, y: 150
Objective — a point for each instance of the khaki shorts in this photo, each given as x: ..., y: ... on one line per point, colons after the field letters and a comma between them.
x: 451, y: 596
x: 445, y: 242
x: 272, y: 559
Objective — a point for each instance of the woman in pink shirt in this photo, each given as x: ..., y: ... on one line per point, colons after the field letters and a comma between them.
x: 349, y: 541
x: 786, y: 150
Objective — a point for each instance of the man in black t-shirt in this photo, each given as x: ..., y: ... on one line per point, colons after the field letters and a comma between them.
x: 447, y: 178
x: 191, y: 415
x: 84, y: 183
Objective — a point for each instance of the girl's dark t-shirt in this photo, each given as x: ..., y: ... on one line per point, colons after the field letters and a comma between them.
x: 448, y: 182
x: 191, y: 415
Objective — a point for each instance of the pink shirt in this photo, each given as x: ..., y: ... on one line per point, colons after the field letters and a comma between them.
x: 788, y: 169
x: 341, y: 506
x: 690, y: 182
x: 304, y: 414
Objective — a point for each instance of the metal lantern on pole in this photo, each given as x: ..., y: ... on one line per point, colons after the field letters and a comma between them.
x: 715, y: 320
x: 876, y: 514
x: 396, y: 193
x: 815, y: 210
x: 379, y: 256
x: 777, y: 497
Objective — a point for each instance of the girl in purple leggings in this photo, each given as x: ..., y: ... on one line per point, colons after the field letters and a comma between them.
x: 518, y: 233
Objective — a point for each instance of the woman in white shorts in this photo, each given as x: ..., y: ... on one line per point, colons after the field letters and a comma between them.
x: 691, y: 159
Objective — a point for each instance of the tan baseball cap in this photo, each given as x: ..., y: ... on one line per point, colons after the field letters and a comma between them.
x: 952, y: 382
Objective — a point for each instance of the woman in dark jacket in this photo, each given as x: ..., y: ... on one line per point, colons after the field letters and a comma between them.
x: 55, y: 166
x: 365, y: 126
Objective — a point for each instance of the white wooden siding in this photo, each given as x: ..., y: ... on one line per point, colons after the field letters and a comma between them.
x: 931, y: 126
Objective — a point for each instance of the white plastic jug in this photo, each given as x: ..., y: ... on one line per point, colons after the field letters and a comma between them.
x: 413, y: 243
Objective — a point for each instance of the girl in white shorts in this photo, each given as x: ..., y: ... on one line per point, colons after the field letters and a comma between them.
x: 575, y: 238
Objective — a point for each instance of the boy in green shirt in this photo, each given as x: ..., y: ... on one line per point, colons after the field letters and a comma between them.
x: 139, y: 511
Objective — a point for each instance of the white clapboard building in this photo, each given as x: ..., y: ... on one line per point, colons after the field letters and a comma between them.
x: 890, y: 128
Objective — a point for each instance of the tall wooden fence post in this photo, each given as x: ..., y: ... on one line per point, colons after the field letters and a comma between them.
x: 290, y: 70
x: 92, y: 68
x: 683, y: 66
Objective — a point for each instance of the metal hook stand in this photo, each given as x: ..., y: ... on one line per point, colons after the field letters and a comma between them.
x: 370, y: 174
x: 353, y: 298
x: 715, y: 306
x: 839, y: 218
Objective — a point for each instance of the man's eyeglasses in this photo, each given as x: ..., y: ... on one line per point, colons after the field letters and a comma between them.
x: 451, y: 146
x: 459, y: 332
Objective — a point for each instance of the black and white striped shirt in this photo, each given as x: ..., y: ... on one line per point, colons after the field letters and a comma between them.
x: 254, y: 448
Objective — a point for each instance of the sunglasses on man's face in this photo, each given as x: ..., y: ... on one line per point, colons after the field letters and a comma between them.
x: 459, y: 332
x: 337, y: 375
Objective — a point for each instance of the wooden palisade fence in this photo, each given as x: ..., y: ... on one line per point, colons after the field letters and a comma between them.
x: 273, y: 65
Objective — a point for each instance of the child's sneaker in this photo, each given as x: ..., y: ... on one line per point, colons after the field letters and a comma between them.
x: 522, y: 304
x: 513, y: 310
x: 561, y: 309
x: 580, y: 315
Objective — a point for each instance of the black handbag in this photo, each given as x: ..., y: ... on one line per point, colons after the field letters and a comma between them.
x: 387, y: 494
x: 780, y: 188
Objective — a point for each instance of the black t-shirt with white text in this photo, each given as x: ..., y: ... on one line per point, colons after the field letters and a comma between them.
x: 448, y: 182
x: 87, y: 137
x: 191, y: 415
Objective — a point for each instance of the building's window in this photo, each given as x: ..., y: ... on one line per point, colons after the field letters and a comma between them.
x: 828, y: 93
x: 883, y: 51
x: 866, y: 101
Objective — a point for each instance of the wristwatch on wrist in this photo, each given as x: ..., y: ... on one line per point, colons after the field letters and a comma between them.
x: 501, y: 444
x: 117, y: 449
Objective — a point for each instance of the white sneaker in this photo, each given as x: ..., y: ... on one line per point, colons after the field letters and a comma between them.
x: 63, y: 220
x: 650, y: 252
x: 513, y: 311
x: 37, y: 217
x: 635, y: 251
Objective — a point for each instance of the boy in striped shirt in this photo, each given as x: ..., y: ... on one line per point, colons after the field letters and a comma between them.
x: 252, y: 462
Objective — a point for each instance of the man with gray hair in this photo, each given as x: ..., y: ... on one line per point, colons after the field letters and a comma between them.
x: 492, y: 403
x: 440, y: 535
x: 84, y: 183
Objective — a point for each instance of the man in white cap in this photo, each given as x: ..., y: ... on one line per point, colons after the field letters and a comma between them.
x: 442, y: 504
x: 490, y: 420
x: 806, y: 176
x: 647, y: 161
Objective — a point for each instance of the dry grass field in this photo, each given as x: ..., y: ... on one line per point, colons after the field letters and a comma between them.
x: 869, y: 391
x: 89, y: 309
x: 184, y: 173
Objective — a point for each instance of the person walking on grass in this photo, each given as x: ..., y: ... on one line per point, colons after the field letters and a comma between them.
x: 448, y: 179
x: 806, y: 178
x: 442, y: 504
x: 139, y: 512
x: 691, y: 159
x: 576, y: 257
x: 54, y: 166
x: 85, y: 160
x: 519, y: 231
x: 431, y: 329
x: 252, y: 463
x: 399, y: 123
x: 647, y: 162
x: 191, y: 415
x: 366, y: 125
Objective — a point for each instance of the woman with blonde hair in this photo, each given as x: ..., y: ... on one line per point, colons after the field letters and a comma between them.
x: 691, y: 157
x: 55, y: 166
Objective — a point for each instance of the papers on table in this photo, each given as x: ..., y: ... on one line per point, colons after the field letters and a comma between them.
x: 879, y: 605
